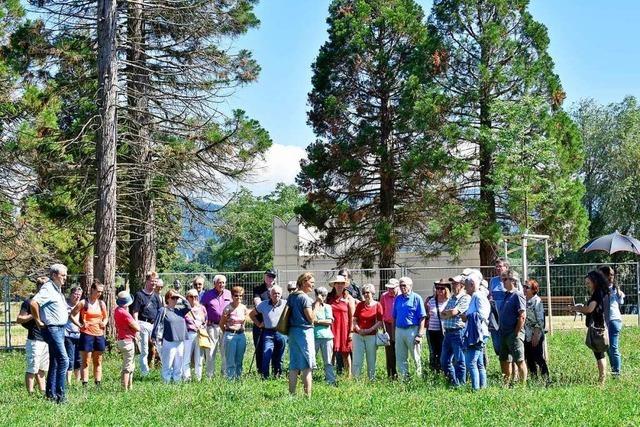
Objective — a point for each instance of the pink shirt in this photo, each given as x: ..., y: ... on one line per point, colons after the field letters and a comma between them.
x: 387, y: 300
x: 123, y: 319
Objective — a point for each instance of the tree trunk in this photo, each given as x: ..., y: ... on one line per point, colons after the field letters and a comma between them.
x: 488, y: 245
x: 142, y: 249
x: 387, y: 191
x: 105, y: 266
x: 87, y: 269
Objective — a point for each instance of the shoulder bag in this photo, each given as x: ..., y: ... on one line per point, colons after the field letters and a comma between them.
x: 283, y: 322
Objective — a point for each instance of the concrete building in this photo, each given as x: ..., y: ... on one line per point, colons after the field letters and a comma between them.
x: 290, y: 258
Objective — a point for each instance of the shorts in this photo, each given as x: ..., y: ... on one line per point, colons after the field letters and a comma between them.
x: 91, y: 343
x: 512, y: 347
x: 37, y: 354
x: 128, y: 351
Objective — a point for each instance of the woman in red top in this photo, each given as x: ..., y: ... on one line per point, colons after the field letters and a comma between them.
x: 366, y: 321
x: 126, y: 330
x: 93, y: 322
x: 343, y: 305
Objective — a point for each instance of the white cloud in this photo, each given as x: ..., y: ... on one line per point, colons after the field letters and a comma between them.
x: 281, y: 164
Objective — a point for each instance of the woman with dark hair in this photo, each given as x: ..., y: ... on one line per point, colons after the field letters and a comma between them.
x: 93, y: 322
x: 598, y: 288
x: 534, y: 331
x: 614, y: 320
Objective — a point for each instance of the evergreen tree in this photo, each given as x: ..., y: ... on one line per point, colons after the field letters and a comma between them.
x: 524, y: 151
x: 379, y: 177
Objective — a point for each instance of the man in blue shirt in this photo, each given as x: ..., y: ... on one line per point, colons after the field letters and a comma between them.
x: 409, y: 324
x: 452, y: 357
x: 511, y: 329
x: 49, y: 311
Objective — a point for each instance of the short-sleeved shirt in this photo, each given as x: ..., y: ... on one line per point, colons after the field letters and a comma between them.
x: 324, y: 312
x: 33, y: 332
x: 368, y: 315
x: 71, y: 330
x: 459, y: 302
x: 215, y: 302
x: 435, y: 321
x: 53, y: 305
x: 498, y: 292
x: 271, y: 313
x: 514, y: 303
x: 196, y: 318
x: 261, y: 292
x: 146, y: 305
x: 387, y: 300
x: 597, y: 315
x: 174, y: 325
x: 122, y: 319
x: 408, y: 310
x: 297, y: 302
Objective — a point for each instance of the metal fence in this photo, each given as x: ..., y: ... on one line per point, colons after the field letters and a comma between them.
x: 566, y: 280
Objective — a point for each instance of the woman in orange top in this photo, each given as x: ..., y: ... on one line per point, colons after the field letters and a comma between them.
x: 93, y: 322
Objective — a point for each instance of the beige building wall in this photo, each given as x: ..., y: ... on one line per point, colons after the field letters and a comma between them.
x: 290, y: 260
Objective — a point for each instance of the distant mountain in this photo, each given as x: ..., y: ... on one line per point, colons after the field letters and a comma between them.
x: 196, y: 231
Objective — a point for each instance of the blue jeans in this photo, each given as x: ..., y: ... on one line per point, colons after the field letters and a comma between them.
x: 273, y: 344
x: 58, y: 362
x: 474, y: 361
x: 615, y: 326
x: 71, y: 345
x: 234, y: 347
x: 452, y: 359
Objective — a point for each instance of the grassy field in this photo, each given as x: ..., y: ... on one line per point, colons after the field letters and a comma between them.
x: 573, y: 398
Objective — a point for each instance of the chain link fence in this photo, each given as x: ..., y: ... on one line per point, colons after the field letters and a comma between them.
x: 567, y: 280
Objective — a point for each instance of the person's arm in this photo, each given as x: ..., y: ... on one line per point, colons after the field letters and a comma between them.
x: 133, y: 324
x: 105, y: 315
x: 135, y: 307
x: 76, y: 308
x: 586, y: 309
x: 421, y: 330
x: 253, y: 315
x: 24, y: 316
x: 308, y: 313
x: 35, y: 312
x: 520, y: 322
x: 224, y: 318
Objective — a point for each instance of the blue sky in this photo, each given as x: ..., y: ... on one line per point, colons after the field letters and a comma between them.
x: 594, y: 45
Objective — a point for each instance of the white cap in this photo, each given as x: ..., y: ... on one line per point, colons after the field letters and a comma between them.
x: 392, y: 283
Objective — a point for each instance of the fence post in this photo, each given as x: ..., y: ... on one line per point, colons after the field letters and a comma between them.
x: 7, y: 312
x: 548, y: 274
x: 638, y: 290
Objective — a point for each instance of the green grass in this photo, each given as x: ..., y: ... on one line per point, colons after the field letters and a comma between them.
x: 573, y: 399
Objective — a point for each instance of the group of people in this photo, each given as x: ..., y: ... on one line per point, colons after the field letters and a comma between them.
x: 344, y: 324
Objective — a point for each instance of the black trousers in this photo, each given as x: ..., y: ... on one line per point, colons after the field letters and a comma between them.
x: 435, y: 349
x: 535, y: 358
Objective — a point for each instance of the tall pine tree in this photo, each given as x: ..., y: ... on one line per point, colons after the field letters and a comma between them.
x: 524, y: 151
x: 379, y: 177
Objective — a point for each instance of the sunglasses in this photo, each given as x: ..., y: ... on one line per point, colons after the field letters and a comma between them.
x: 366, y: 293
x: 440, y: 288
x: 238, y: 295
x: 527, y: 287
x: 175, y: 297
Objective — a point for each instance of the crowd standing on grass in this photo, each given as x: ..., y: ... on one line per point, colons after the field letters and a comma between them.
x: 345, y: 324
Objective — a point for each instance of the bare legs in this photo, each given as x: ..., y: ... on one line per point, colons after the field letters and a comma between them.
x: 602, y: 368
x: 508, y: 371
x: 306, y: 381
x: 126, y: 379
x: 30, y: 380
x: 96, y: 359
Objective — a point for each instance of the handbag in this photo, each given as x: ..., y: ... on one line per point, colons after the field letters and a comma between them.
x: 382, y: 338
x: 204, y: 341
x: 283, y: 322
x: 597, y: 339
